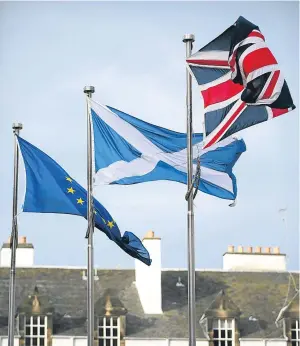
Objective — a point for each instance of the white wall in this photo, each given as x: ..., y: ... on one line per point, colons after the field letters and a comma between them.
x: 24, y: 257
x: 185, y: 343
x: 254, y: 262
x: 69, y: 341
x: 145, y: 342
x: 148, y: 278
x: 82, y: 341
x: 58, y: 341
x: 168, y: 342
x: 4, y: 341
x: 263, y: 343
x: 162, y: 342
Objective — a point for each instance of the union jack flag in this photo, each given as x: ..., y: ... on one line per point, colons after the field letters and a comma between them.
x: 240, y: 81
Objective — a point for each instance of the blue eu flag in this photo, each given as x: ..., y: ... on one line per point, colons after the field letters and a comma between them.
x: 50, y: 189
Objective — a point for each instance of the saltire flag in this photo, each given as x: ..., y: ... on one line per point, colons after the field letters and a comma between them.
x: 240, y: 81
x: 50, y: 189
x: 130, y: 151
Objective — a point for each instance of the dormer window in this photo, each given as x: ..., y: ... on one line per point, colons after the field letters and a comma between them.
x: 111, y: 319
x: 295, y: 333
x: 288, y: 319
x: 35, y: 330
x: 35, y: 320
x: 109, y: 331
x: 223, y: 332
x: 220, y: 321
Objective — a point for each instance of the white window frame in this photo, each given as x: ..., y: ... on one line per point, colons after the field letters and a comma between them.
x: 225, y: 328
x: 104, y: 326
x: 295, y: 342
x: 38, y: 325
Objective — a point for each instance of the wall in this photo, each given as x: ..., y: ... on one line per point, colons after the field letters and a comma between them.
x: 24, y: 257
x: 167, y: 342
x: 69, y: 341
x: 263, y: 343
x: 254, y: 262
x: 4, y: 341
x: 82, y: 341
x: 161, y: 342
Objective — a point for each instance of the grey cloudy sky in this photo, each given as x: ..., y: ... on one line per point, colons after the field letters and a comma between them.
x: 132, y: 52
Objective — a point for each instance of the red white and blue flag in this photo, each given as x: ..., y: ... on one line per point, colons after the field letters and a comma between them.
x: 240, y: 81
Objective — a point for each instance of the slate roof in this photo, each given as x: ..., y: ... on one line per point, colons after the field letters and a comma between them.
x: 258, y: 296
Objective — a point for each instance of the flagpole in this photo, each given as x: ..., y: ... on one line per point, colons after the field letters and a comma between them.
x: 89, y: 90
x: 188, y: 40
x: 13, y: 241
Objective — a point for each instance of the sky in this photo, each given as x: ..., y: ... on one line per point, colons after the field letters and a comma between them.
x: 132, y: 52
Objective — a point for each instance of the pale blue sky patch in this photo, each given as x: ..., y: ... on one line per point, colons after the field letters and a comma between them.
x: 132, y: 52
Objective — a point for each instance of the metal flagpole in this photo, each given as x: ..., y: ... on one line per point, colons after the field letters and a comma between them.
x: 89, y: 90
x: 188, y: 40
x: 13, y: 241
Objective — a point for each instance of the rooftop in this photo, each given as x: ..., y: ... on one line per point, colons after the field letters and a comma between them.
x: 259, y: 296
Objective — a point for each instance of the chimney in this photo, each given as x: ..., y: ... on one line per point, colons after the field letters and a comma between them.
x: 258, y: 249
x: 22, y: 240
x: 258, y: 260
x: 230, y: 248
x: 24, y: 254
x: 249, y: 249
x: 240, y: 249
x: 276, y: 250
x: 268, y: 250
x: 148, y: 278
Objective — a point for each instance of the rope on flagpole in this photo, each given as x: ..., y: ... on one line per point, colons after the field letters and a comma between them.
x: 196, y: 181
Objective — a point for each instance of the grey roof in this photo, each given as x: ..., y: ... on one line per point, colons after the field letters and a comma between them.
x: 258, y: 296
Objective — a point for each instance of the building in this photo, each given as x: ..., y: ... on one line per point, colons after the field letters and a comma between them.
x: 253, y: 300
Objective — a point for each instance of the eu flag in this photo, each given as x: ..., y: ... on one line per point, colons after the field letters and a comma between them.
x: 50, y: 189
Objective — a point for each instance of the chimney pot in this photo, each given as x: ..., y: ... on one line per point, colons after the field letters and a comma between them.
x: 249, y: 249
x: 268, y: 250
x: 240, y: 249
x: 230, y: 248
x: 276, y: 250
x: 258, y: 249
x: 149, y: 235
x: 22, y: 240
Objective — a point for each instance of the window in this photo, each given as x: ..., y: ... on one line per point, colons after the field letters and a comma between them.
x: 109, y: 331
x: 35, y: 331
x: 295, y: 333
x: 223, y: 332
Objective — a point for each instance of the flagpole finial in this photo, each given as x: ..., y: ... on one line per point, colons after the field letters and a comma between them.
x: 89, y: 89
x: 17, y: 126
x: 188, y: 37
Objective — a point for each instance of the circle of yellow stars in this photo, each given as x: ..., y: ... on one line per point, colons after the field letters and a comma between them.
x: 80, y: 201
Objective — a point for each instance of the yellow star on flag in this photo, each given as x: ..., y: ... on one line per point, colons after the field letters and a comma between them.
x: 71, y: 190
x: 95, y: 212
x: 103, y: 220
x: 110, y: 224
x: 80, y: 201
x: 69, y: 179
